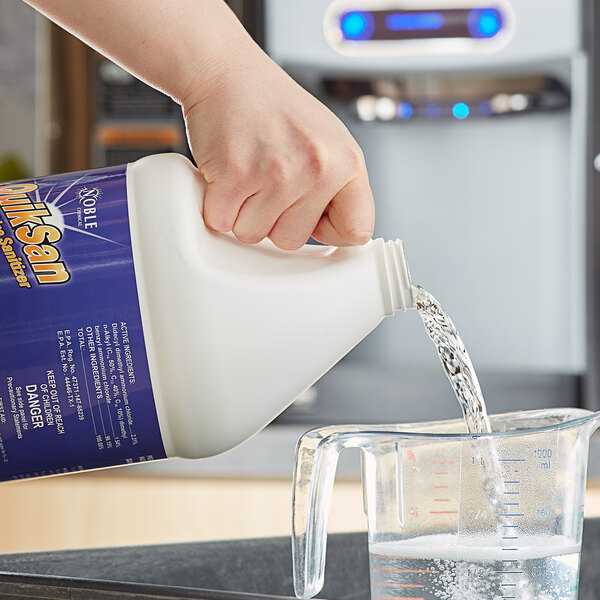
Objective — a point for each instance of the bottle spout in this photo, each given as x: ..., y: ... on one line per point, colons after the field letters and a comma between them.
x: 395, y: 277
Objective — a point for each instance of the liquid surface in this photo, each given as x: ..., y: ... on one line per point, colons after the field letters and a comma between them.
x: 455, y: 360
x: 543, y: 568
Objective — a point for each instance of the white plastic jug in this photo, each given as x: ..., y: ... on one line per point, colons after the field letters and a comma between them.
x: 130, y: 331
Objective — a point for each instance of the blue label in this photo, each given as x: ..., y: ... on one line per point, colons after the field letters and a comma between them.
x: 75, y: 388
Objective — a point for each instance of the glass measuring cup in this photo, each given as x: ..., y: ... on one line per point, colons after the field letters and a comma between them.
x: 451, y: 515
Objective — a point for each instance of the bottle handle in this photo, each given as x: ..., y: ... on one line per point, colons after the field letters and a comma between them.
x: 317, y: 456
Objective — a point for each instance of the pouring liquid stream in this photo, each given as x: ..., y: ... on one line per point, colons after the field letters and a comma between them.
x: 455, y: 360
x: 502, y: 565
x: 463, y: 379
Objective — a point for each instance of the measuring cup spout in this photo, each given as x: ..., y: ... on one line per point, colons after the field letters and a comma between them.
x: 587, y: 424
x: 593, y: 423
x: 316, y: 461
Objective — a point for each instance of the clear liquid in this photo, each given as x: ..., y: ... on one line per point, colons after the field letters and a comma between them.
x: 461, y: 373
x: 546, y: 570
x: 448, y: 567
x: 455, y: 360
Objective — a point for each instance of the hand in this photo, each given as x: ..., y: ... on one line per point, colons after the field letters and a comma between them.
x: 278, y: 163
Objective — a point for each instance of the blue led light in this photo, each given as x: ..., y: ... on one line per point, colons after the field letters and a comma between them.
x: 433, y: 111
x: 484, y: 22
x: 354, y: 24
x: 485, y: 108
x: 405, y: 110
x: 357, y: 25
x: 460, y: 110
x: 425, y: 21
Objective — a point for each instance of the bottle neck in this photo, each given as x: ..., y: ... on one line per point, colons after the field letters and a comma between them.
x: 395, y: 276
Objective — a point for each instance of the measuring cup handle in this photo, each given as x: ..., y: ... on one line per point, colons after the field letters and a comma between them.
x: 316, y: 461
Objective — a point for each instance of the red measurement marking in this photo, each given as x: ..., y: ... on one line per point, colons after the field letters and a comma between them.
x: 445, y: 473
x: 435, y: 462
x: 403, y: 571
x: 443, y: 512
x: 440, y: 487
x: 441, y: 499
x: 440, y: 524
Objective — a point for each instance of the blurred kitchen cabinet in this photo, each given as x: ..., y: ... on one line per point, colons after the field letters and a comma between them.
x: 106, y: 509
x: 45, y: 94
x: 70, y: 116
x: 103, y: 509
x: 17, y: 89
x: 92, y: 113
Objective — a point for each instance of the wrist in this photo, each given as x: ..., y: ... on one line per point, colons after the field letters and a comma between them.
x: 210, y: 65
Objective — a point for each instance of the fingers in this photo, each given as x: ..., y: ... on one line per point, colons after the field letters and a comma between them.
x: 295, y: 225
x: 248, y: 201
x: 258, y: 215
x: 278, y: 164
x: 344, y: 220
x: 222, y: 204
x: 283, y: 185
x: 350, y: 216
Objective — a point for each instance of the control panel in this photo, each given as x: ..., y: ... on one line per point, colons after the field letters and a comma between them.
x: 402, y: 27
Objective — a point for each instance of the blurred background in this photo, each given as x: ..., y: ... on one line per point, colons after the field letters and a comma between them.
x: 480, y: 133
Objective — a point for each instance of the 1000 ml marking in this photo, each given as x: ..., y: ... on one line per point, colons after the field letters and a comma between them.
x: 544, y: 454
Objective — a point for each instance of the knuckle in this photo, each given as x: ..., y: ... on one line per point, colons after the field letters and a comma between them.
x: 355, y: 159
x: 279, y: 168
x: 235, y: 170
x: 318, y: 160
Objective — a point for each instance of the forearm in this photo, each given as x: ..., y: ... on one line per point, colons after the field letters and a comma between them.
x: 277, y: 163
x: 179, y: 47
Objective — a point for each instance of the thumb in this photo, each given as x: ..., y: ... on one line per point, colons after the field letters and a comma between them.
x: 349, y: 218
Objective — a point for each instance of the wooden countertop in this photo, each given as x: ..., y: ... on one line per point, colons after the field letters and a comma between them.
x: 106, y: 509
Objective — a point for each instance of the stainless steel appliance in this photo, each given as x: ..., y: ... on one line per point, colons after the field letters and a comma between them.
x: 474, y: 122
